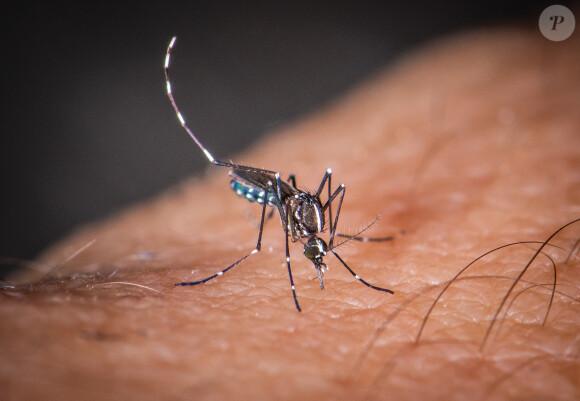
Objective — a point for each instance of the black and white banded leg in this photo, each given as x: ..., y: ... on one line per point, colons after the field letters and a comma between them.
x: 254, y: 251
x: 342, y: 190
x: 209, y: 156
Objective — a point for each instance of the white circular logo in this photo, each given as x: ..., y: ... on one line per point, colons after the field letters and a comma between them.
x: 557, y: 23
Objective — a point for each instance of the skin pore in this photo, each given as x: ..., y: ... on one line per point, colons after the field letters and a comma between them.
x: 470, y: 144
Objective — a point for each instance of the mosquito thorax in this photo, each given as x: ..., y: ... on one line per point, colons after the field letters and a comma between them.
x: 307, y: 214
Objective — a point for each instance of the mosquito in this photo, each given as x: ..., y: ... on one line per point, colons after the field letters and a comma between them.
x: 302, y: 213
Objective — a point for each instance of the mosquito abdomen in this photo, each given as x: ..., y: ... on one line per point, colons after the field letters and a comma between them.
x: 251, y: 193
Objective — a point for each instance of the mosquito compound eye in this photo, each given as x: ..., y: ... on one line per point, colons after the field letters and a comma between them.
x: 315, y: 248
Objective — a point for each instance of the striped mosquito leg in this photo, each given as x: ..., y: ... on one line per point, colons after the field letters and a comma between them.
x: 374, y: 287
x: 288, y: 265
x: 254, y: 251
x: 329, y: 172
x: 292, y: 180
x: 284, y: 218
x: 206, y: 152
x: 326, y: 177
x: 340, y: 190
x: 221, y: 273
x: 177, y: 112
x: 328, y: 205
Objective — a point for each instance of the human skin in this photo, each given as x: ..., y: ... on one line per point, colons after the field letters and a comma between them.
x: 470, y: 144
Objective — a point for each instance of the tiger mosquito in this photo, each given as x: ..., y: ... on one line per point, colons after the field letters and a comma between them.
x: 302, y: 213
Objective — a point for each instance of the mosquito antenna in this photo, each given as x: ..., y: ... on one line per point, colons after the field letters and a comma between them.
x: 357, y: 236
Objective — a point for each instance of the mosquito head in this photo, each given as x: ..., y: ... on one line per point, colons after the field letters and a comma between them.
x: 315, y: 249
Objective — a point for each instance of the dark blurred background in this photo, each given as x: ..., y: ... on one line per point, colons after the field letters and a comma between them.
x: 86, y: 125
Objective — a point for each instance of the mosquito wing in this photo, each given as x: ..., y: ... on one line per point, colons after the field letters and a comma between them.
x: 259, y: 181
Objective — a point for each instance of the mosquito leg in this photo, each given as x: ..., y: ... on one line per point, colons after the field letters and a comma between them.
x: 283, y: 210
x: 255, y: 250
x: 330, y: 223
x: 207, y: 153
x: 270, y: 214
x: 288, y: 265
x: 342, y: 190
x: 374, y: 287
x: 292, y: 179
x: 326, y: 179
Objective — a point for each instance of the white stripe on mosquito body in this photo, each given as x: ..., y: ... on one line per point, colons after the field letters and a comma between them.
x: 208, y: 155
x: 168, y: 54
x: 319, y: 221
x: 302, y: 213
x: 181, y: 119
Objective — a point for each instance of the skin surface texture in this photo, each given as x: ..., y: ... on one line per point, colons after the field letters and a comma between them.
x: 469, y: 144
